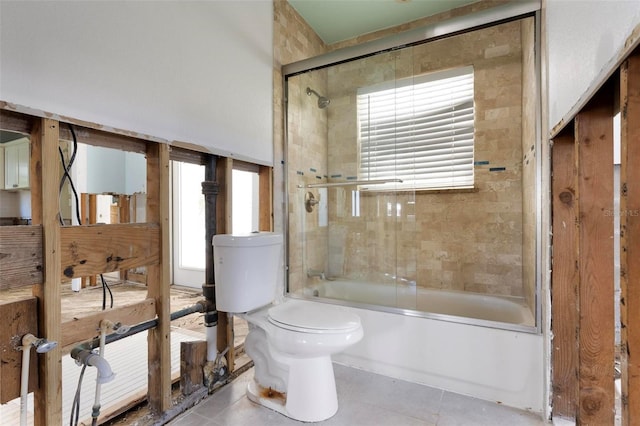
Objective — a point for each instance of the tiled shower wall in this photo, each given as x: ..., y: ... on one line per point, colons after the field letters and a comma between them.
x: 469, y: 241
x: 293, y: 41
x: 464, y: 241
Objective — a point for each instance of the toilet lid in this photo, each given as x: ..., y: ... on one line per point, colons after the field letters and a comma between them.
x: 313, y: 317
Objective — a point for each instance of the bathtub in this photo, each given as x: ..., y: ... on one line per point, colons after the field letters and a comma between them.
x: 489, y: 310
x: 491, y: 356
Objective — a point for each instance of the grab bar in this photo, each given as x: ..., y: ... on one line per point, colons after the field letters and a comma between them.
x: 350, y: 183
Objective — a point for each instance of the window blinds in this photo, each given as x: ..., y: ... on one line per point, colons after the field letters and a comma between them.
x: 419, y: 130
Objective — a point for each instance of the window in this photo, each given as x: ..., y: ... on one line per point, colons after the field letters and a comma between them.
x: 419, y: 130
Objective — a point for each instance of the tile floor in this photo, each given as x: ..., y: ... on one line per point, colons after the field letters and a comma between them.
x: 366, y: 399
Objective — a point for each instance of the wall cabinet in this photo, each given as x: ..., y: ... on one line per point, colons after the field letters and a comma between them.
x: 16, y: 164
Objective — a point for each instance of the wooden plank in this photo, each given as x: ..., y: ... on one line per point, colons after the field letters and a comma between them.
x: 124, y: 217
x: 102, y: 138
x: 594, y: 155
x: 564, y: 279
x: 188, y: 156
x: 96, y: 249
x: 265, y: 195
x: 93, y: 218
x: 224, y: 173
x: 20, y: 256
x: 193, y: 356
x: 16, y: 122
x: 630, y: 239
x: 19, y: 317
x: 85, y: 327
x: 44, y: 210
x: 158, y: 280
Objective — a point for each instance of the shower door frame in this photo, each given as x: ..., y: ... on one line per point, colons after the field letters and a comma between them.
x: 508, y: 12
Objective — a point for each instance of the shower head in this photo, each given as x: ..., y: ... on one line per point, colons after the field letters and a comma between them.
x: 323, y: 102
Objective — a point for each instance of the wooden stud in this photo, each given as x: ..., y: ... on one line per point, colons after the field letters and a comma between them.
x: 193, y: 356
x: 630, y: 238
x: 564, y: 279
x: 158, y: 280
x: 45, y: 176
x: 93, y: 218
x: 124, y: 217
x: 265, y: 195
x: 20, y: 256
x: 594, y: 156
x: 224, y: 172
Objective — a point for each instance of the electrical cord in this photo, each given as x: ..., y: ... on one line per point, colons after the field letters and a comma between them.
x: 67, y: 177
x: 75, y: 406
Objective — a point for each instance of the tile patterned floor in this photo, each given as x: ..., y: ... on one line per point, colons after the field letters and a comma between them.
x: 366, y: 399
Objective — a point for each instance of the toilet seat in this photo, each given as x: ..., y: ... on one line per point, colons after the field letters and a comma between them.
x: 312, y: 318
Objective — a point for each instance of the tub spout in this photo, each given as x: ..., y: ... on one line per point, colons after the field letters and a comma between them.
x: 84, y: 356
x: 316, y: 273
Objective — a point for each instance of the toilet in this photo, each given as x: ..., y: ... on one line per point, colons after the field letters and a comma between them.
x: 290, y: 341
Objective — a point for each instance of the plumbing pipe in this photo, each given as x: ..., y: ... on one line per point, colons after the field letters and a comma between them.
x: 210, y: 190
x: 212, y: 342
x: 95, y: 410
x: 90, y: 358
x: 42, y: 345
x: 24, y: 382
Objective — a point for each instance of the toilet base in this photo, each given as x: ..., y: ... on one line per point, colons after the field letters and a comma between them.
x: 311, y: 394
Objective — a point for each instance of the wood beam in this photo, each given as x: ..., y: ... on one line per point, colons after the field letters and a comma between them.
x: 159, y: 379
x: 265, y: 195
x: 96, y: 249
x: 224, y: 173
x: 564, y: 278
x: 594, y: 156
x: 85, y: 327
x: 19, y: 317
x: 630, y: 238
x: 45, y: 176
x: 20, y: 256
x: 16, y: 122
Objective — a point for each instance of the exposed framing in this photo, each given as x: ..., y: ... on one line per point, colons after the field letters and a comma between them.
x: 45, y: 253
x: 583, y: 353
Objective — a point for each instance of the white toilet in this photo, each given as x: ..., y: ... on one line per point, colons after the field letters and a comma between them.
x: 290, y: 341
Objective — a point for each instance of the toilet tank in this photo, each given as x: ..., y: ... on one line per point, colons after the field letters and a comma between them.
x: 246, y: 269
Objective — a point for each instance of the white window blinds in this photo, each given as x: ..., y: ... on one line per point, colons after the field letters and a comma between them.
x: 419, y: 130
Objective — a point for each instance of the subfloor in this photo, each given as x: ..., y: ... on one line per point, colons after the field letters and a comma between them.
x: 365, y: 399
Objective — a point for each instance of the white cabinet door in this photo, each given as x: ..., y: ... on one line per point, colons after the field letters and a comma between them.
x: 16, y: 162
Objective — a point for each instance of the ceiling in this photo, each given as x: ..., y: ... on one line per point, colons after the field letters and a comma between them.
x: 337, y: 20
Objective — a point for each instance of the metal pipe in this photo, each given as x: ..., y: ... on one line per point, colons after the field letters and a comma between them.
x: 146, y: 325
x: 210, y: 190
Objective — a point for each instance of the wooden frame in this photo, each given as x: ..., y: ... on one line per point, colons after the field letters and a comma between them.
x: 630, y: 238
x: 67, y: 252
x: 49, y: 253
x: 582, y: 290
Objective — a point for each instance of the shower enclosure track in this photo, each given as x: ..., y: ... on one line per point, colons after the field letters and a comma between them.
x: 350, y: 183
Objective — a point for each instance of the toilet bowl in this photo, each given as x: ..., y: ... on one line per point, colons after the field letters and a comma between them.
x: 290, y: 340
x: 291, y: 345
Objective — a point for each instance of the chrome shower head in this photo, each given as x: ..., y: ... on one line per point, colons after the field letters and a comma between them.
x: 323, y: 102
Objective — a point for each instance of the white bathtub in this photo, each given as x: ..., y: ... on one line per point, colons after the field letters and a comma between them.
x: 436, y: 302
x: 470, y: 356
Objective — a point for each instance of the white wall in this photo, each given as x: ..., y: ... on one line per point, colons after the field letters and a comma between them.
x: 191, y: 71
x: 583, y: 37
